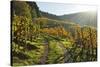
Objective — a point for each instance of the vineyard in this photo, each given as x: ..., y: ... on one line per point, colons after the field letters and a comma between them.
x: 40, y: 40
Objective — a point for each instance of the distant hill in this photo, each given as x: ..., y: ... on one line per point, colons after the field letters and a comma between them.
x: 50, y: 16
x: 83, y: 18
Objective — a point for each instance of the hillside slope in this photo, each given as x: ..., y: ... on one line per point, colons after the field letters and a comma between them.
x: 37, y: 39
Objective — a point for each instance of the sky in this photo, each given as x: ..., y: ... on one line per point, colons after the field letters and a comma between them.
x: 64, y: 8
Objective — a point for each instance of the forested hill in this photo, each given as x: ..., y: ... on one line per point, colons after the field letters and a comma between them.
x: 27, y: 9
x: 82, y: 18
